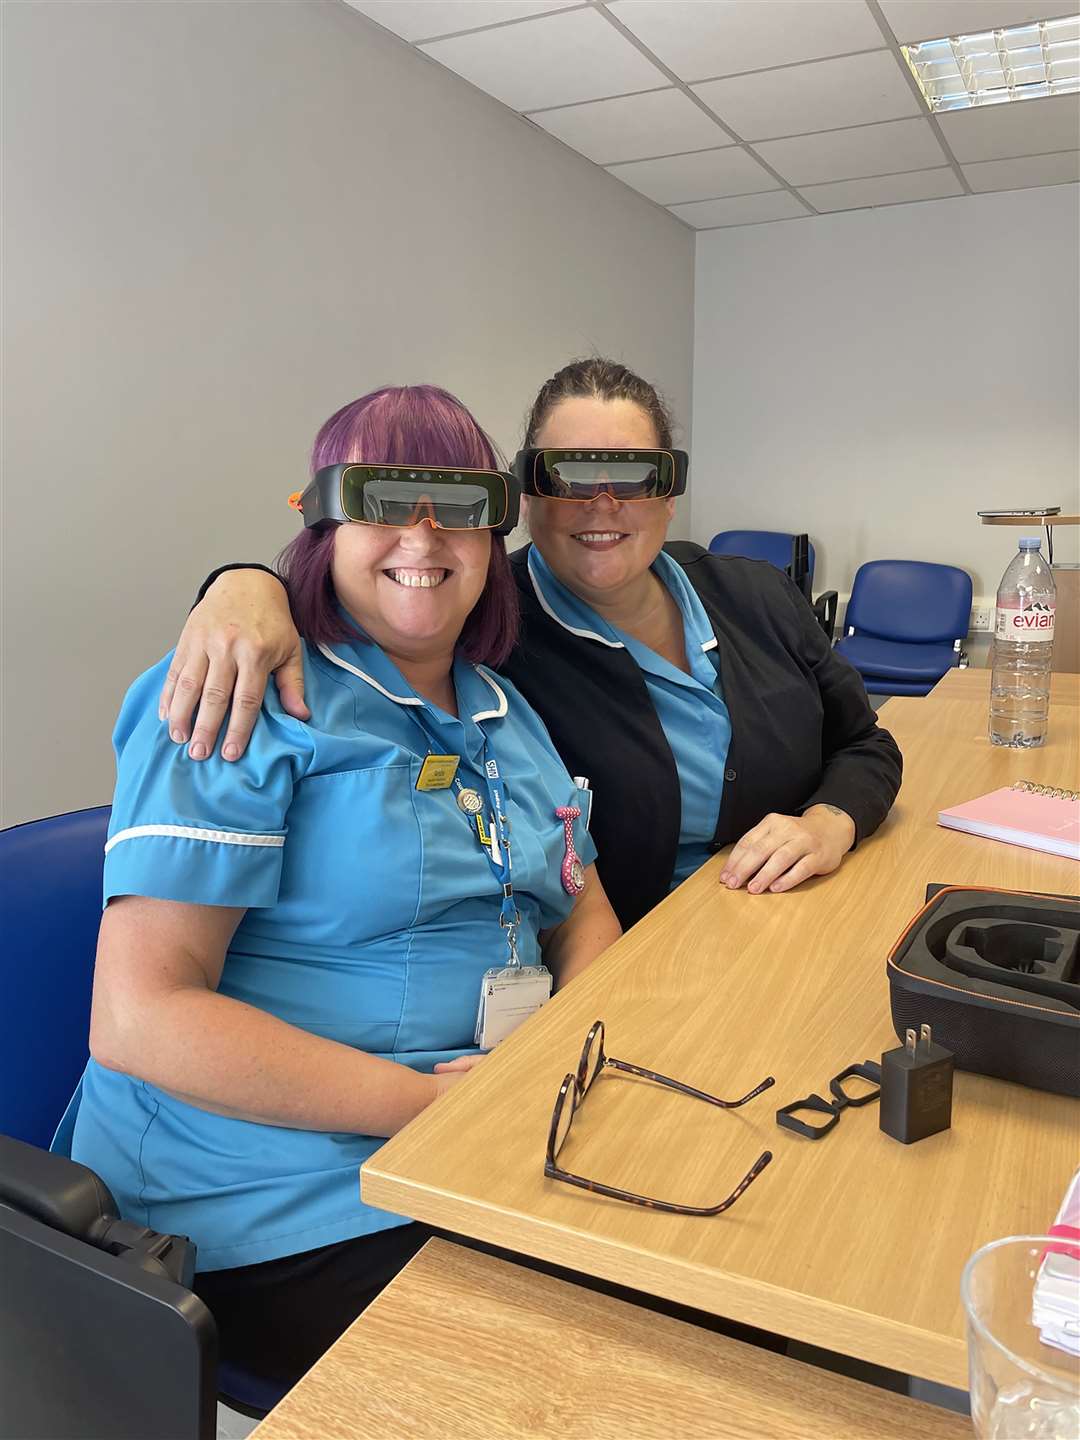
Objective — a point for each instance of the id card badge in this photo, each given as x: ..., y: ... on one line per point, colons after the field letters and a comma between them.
x: 507, y: 997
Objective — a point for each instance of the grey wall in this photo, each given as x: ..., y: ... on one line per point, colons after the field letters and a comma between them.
x: 877, y: 377
x: 222, y: 221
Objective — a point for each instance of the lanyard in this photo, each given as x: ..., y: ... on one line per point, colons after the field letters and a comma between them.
x: 509, y: 915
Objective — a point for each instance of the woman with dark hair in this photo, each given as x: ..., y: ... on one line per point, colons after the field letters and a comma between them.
x: 295, y: 947
x: 696, y: 692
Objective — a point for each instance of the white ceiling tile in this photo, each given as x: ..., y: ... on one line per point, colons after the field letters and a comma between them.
x: 705, y: 176
x: 634, y: 127
x: 554, y: 60
x: 700, y: 39
x: 1019, y: 127
x: 912, y: 20
x: 851, y: 154
x: 824, y: 95
x: 1022, y: 174
x: 424, y: 19
x: 884, y: 190
x: 741, y: 210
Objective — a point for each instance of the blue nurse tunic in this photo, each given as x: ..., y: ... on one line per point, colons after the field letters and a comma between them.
x: 372, y: 914
x: 690, y: 708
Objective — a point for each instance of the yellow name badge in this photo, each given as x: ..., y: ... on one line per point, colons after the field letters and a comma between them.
x: 437, y: 772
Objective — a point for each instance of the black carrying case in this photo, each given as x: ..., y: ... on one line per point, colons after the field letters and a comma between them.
x: 996, y: 976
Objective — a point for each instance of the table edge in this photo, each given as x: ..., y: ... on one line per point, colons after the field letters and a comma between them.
x: 810, y: 1319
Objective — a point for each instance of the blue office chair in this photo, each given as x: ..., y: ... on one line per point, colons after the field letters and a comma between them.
x: 794, y: 554
x: 51, y: 911
x: 905, y: 623
x: 772, y: 545
x: 52, y: 886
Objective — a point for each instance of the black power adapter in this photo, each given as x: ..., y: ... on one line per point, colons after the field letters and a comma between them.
x: 916, y: 1088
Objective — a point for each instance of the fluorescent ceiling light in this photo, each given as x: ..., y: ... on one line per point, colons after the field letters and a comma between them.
x: 1024, y: 62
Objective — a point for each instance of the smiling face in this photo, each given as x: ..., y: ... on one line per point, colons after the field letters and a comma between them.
x: 598, y: 548
x: 410, y: 587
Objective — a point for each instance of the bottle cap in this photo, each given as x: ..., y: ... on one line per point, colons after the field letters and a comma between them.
x: 1030, y: 542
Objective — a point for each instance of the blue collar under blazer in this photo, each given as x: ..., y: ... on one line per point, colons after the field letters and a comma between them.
x: 802, y: 730
x: 690, y: 707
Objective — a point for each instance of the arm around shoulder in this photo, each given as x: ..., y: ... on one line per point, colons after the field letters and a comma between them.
x: 239, y: 632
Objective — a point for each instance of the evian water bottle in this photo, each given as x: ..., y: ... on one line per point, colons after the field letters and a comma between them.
x: 1023, y: 644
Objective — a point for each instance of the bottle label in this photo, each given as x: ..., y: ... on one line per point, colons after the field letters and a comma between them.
x: 1034, y: 623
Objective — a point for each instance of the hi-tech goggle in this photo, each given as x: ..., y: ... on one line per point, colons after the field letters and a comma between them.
x: 583, y: 475
x: 399, y: 495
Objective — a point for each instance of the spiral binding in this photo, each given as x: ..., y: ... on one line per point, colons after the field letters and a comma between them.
x: 1052, y: 791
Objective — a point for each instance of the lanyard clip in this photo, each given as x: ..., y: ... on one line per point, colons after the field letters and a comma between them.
x: 510, y: 924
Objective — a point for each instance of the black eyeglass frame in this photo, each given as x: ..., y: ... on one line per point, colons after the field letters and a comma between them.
x: 576, y: 1086
x: 785, y: 1117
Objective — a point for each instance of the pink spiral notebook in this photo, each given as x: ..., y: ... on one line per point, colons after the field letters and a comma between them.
x: 1040, y: 817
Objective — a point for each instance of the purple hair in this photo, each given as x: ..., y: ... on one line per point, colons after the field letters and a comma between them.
x: 398, y: 425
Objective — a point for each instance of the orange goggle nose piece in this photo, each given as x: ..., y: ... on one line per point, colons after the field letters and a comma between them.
x: 295, y: 500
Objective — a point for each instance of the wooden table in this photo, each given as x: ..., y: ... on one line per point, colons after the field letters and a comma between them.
x: 854, y: 1243
x: 465, y: 1345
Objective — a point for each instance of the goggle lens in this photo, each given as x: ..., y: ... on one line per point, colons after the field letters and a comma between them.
x: 450, y: 506
x: 584, y: 475
x: 583, y: 480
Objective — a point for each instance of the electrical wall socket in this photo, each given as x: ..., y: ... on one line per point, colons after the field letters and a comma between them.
x: 982, y: 616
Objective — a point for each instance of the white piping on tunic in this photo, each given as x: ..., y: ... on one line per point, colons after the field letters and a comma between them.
x: 355, y: 670
x: 415, y: 699
x: 192, y: 832
x: 588, y: 634
x: 573, y: 629
x: 499, y: 691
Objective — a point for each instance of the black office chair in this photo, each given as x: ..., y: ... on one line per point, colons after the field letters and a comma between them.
x: 102, y: 1335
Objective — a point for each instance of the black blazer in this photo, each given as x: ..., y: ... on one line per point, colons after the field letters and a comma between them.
x: 802, y: 730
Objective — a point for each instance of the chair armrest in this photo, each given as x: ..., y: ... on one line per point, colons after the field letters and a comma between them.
x: 825, y: 611
x: 71, y: 1199
x: 799, y: 569
x: 56, y: 1191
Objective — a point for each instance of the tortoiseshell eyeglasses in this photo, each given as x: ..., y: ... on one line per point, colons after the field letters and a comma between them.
x: 576, y: 1086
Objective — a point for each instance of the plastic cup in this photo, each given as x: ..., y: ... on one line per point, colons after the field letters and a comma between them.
x: 1022, y: 1388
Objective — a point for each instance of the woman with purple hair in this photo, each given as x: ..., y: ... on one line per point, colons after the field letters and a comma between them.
x: 295, y: 945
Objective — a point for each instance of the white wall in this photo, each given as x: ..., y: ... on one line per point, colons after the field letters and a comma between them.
x: 222, y: 221
x: 875, y: 378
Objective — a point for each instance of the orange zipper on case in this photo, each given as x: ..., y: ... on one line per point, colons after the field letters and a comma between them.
x: 959, y: 989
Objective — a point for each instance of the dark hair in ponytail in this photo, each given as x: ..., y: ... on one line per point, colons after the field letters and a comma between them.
x: 605, y: 380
